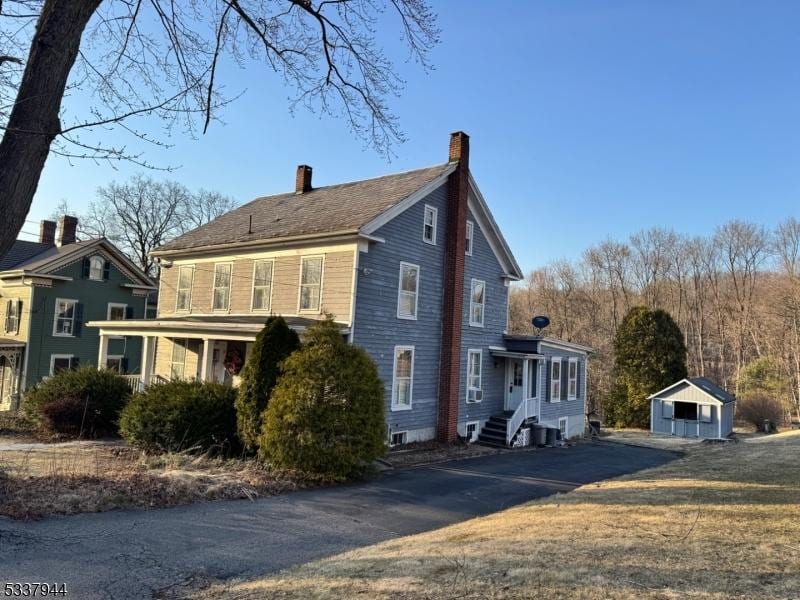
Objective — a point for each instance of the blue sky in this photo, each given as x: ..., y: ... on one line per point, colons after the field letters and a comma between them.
x: 587, y: 119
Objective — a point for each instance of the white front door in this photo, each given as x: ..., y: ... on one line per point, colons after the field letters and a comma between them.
x: 513, y: 383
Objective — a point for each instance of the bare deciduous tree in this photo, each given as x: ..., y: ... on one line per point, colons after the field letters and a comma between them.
x: 129, y: 60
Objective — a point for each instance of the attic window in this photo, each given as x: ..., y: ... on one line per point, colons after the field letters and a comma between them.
x: 96, y: 267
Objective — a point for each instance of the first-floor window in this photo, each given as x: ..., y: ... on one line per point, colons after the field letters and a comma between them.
x: 572, y: 379
x: 60, y: 362
x: 562, y: 427
x: 403, y: 379
x: 115, y: 363
x: 555, y: 379
x: 474, y: 389
x: 178, y: 361
x: 65, y: 317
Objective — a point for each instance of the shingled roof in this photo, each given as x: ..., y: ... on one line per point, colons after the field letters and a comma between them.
x: 22, y: 251
x: 331, y: 209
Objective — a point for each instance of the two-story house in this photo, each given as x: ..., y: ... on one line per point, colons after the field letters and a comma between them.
x: 412, y: 266
x: 48, y: 290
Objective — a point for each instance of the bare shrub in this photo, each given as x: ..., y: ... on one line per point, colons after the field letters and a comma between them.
x: 758, y: 408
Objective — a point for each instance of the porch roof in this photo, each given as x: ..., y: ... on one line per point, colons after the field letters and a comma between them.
x: 11, y: 343
x: 503, y: 353
x: 234, y: 327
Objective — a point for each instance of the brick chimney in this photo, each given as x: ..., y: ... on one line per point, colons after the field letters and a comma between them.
x: 453, y: 297
x: 68, y: 227
x: 302, y: 182
x: 47, y: 232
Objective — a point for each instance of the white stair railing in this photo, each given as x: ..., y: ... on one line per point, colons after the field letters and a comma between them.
x: 514, y: 423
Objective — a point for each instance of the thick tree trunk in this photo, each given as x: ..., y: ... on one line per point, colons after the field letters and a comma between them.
x: 34, y: 122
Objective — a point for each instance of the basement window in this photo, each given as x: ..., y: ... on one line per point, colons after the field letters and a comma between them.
x: 399, y: 438
x: 686, y: 411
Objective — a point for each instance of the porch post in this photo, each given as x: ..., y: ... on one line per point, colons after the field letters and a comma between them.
x: 102, y: 355
x: 207, y: 359
x: 146, y: 366
x: 525, y: 384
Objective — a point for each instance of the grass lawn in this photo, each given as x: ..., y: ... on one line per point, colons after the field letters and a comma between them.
x: 722, y: 522
x: 39, y: 479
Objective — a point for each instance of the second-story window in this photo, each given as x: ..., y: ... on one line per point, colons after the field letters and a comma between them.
x: 477, y: 302
x: 262, y: 284
x: 429, y: 225
x: 97, y: 268
x: 12, y: 316
x: 183, y: 300
x: 222, y: 286
x: 407, y: 293
x: 310, y: 283
x: 64, y: 324
x: 468, y: 246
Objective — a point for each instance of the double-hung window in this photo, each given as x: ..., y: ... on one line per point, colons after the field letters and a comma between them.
x: 262, y: 284
x: 12, y: 316
x: 477, y: 302
x: 403, y: 377
x: 97, y: 266
x: 64, y: 323
x: 408, y: 291
x: 183, y: 300
x: 474, y: 386
x: 572, y: 379
x: 178, y: 360
x: 555, y: 379
x: 222, y: 286
x: 61, y: 362
x: 310, y: 283
x: 468, y: 246
x: 563, y: 427
x: 116, y: 312
x: 429, y: 225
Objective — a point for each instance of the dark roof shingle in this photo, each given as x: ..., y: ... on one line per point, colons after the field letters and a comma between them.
x: 329, y: 209
x: 712, y: 388
x: 22, y: 251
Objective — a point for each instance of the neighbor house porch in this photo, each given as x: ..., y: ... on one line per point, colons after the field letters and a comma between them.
x: 203, y: 348
x: 12, y: 355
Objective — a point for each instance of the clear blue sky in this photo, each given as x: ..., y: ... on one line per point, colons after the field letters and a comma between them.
x: 587, y: 119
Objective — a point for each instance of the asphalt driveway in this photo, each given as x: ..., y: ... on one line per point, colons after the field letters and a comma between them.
x: 134, y: 554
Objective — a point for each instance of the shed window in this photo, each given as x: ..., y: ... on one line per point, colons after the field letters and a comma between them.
x: 705, y: 412
x: 686, y: 411
x: 666, y: 410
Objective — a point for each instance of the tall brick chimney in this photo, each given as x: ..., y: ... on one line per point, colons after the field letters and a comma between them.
x: 68, y: 227
x: 47, y: 232
x: 302, y: 182
x: 453, y: 297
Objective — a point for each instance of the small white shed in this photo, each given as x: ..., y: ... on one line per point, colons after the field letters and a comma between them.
x: 693, y: 407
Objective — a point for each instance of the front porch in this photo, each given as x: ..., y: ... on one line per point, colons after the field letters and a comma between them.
x: 11, y: 361
x: 204, y: 348
x: 522, y: 397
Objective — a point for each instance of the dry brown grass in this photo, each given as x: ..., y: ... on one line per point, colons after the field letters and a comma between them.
x: 37, y: 480
x: 722, y: 522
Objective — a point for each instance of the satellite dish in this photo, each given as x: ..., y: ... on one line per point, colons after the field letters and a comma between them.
x: 540, y: 322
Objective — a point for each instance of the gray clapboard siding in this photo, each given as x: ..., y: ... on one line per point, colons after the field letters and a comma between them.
x: 574, y: 409
x: 662, y: 422
x: 377, y: 328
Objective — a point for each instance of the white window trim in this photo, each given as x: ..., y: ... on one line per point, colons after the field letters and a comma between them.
x: 572, y: 361
x: 533, y: 366
x: 566, y: 426
x: 271, y: 286
x: 700, y: 406
x: 395, y: 406
x: 54, y: 357
x: 119, y: 357
x: 477, y: 430
x: 435, y: 212
x: 479, y: 352
x: 190, y: 288
x: 214, y: 286
x: 416, y: 292
x: 102, y: 267
x: 472, y: 303
x: 555, y: 360
x: 393, y: 433
x: 15, y: 303
x: 310, y: 311
x: 55, y: 318
x: 470, y: 233
x: 116, y: 305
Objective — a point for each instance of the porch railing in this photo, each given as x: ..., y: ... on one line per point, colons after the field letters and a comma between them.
x: 134, y: 382
x: 514, y: 423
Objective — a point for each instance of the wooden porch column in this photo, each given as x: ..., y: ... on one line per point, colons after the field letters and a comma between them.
x: 102, y: 355
x: 148, y: 345
x: 207, y: 360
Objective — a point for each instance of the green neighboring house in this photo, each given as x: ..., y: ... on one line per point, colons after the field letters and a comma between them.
x: 48, y: 290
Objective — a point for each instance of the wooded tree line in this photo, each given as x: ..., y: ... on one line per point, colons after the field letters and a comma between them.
x: 735, y: 295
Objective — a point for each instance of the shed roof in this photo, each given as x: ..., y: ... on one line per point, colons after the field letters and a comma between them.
x: 705, y: 385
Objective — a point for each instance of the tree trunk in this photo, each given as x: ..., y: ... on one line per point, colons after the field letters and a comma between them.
x: 34, y: 122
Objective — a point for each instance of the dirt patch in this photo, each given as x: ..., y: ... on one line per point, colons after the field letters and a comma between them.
x: 717, y: 524
x: 38, y: 479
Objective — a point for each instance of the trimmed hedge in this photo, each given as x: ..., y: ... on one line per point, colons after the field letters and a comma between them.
x: 325, y: 416
x: 181, y: 415
x: 273, y: 345
x: 80, y: 402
